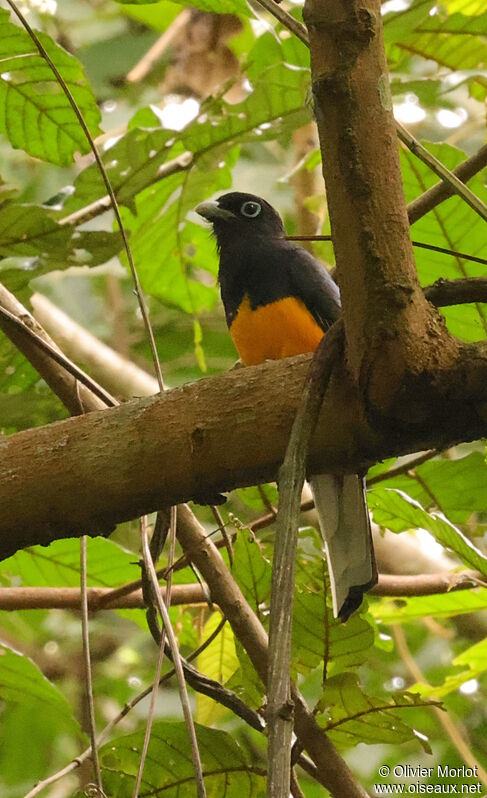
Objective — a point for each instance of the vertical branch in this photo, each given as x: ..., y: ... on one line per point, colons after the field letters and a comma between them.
x: 291, y: 478
x: 389, y: 326
x: 183, y: 692
x: 87, y: 661
x: 162, y: 641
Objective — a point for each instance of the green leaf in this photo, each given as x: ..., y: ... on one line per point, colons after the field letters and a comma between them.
x: 215, y: 6
x: 169, y: 768
x: 35, y: 114
x: 455, y: 41
x: 132, y: 163
x: 33, y: 243
x: 350, y: 716
x: 198, y: 349
x: 456, y: 23
x: 398, y: 24
x: 318, y: 637
x: 444, y: 605
x: 219, y: 661
x: 472, y: 662
x: 252, y: 571
x: 29, y: 231
x: 458, y: 486
x: 395, y: 510
x: 453, y: 225
x: 58, y: 564
x: 163, y: 250
x: 22, y: 683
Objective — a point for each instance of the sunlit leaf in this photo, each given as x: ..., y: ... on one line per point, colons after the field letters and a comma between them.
x: 35, y: 114
x: 215, y: 6
x: 444, y: 605
x: 219, y: 661
x: 455, y: 487
x: 471, y: 664
x: 395, y: 510
x: 132, y: 163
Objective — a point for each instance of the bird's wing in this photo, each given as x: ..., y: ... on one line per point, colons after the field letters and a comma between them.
x: 311, y: 282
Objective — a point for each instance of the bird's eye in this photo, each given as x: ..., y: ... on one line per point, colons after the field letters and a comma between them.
x: 250, y: 209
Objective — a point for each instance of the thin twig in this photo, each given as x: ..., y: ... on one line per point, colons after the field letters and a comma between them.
x: 441, y: 191
x: 59, y: 358
x: 162, y: 645
x: 463, y: 291
x: 149, y: 717
x: 448, y: 177
x: 403, y: 468
x: 291, y: 479
x: 183, y: 693
x: 419, y: 244
x: 286, y: 19
x: 452, y: 252
x: 222, y: 527
x: 68, y: 598
x: 87, y: 661
x: 457, y: 738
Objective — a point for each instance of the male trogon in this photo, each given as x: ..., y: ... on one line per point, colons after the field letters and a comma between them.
x: 279, y: 301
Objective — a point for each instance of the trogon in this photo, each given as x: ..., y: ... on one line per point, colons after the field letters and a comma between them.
x: 279, y: 301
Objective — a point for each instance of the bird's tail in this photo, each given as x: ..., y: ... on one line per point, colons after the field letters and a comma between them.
x: 345, y: 527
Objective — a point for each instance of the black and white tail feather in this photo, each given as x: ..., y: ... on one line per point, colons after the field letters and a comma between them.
x: 345, y: 527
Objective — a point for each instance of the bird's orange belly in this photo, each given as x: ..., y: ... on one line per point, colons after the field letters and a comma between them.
x: 280, y: 329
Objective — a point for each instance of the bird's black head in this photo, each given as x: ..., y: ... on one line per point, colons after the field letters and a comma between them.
x: 237, y: 215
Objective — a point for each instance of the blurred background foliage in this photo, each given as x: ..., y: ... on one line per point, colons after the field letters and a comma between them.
x: 224, y: 101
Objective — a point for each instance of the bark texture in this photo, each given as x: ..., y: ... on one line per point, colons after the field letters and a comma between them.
x: 393, y: 335
x: 85, y: 474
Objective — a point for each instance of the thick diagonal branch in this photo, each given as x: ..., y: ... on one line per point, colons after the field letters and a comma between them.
x: 88, y: 473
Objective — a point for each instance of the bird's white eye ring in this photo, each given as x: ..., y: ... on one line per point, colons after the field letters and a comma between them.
x: 250, y: 209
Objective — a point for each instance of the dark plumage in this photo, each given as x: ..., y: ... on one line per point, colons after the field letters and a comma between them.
x: 279, y: 301
x: 256, y: 259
